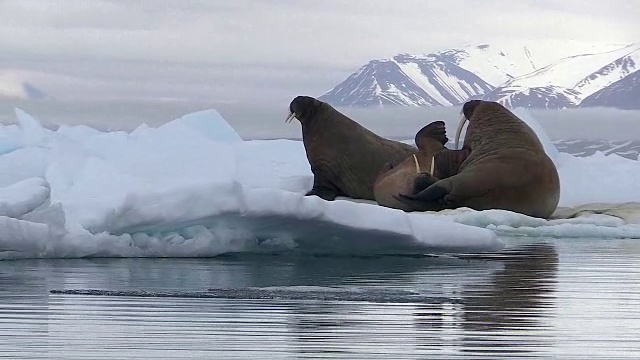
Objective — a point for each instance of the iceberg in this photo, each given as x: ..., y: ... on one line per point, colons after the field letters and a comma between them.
x: 194, y: 188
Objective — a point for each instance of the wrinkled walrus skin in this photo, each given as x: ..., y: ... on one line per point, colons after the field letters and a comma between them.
x: 418, y: 171
x: 506, y: 168
x: 345, y: 157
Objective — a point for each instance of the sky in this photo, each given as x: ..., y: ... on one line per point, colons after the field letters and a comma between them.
x: 269, y: 51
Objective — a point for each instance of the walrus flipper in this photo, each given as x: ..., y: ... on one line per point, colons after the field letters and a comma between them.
x: 435, y: 131
x: 323, y: 193
x: 422, y: 181
x: 323, y: 188
x: 419, y: 205
x: 434, y: 193
x: 429, y: 199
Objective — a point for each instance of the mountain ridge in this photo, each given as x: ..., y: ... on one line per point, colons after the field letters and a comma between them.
x: 531, y: 75
x: 622, y: 94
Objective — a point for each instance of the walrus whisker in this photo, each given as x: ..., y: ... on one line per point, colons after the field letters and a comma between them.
x: 415, y: 159
x: 463, y: 120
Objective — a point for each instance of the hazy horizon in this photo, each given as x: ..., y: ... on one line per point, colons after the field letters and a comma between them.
x: 267, y: 122
x: 114, y: 64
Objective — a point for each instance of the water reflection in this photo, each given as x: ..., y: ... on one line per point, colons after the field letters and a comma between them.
x: 517, y: 295
x: 23, y: 312
x: 522, y: 302
x: 508, y: 292
x: 518, y: 301
x: 515, y: 298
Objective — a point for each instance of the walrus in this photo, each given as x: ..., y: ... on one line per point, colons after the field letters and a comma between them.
x: 505, y: 168
x: 418, y: 171
x: 344, y: 156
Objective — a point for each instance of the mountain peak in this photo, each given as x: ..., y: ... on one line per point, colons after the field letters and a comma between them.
x: 550, y: 74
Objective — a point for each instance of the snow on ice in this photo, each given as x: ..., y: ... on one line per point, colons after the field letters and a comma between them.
x: 193, y: 187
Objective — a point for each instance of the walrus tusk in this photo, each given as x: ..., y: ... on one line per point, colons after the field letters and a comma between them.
x: 415, y: 159
x: 290, y: 117
x: 433, y: 160
x: 463, y: 120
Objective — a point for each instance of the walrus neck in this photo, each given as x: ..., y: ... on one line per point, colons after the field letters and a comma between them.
x: 448, y: 162
x: 501, y: 133
x: 310, y: 125
x: 325, y: 119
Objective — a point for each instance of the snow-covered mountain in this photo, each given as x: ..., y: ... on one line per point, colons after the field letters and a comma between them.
x: 612, y: 72
x: 408, y: 80
x: 578, y: 75
x: 549, y: 74
x: 629, y: 149
x: 622, y: 94
x: 548, y: 97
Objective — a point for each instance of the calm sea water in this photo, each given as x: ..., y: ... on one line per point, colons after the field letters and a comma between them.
x: 555, y: 298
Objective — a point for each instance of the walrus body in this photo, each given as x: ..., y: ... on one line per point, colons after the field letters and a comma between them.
x: 417, y: 171
x: 345, y: 157
x: 506, y: 168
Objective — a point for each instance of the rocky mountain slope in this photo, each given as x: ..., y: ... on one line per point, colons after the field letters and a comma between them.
x: 542, y: 75
x: 622, y: 94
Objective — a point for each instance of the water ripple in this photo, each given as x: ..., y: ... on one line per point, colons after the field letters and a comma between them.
x: 324, y: 294
x: 563, y: 299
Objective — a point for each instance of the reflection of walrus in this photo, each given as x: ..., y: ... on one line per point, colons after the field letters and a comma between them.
x: 507, y: 167
x: 345, y: 157
x: 418, y: 171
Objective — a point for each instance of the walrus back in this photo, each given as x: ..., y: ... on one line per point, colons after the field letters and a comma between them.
x: 507, y: 168
x: 349, y: 153
x: 375, y: 152
x: 530, y: 187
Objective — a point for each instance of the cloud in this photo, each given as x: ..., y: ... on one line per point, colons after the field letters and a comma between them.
x: 335, y: 33
x: 279, y: 47
x: 109, y: 80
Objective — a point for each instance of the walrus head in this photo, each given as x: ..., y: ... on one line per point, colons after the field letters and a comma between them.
x: 302, y: 108
x: 467, y: 112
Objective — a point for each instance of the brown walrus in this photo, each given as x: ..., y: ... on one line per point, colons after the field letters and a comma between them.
x: 506, y: 167
x: 345, y: 157
x: 418, y: 171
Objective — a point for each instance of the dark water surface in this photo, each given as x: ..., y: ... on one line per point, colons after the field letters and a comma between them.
x: 550, y: 299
